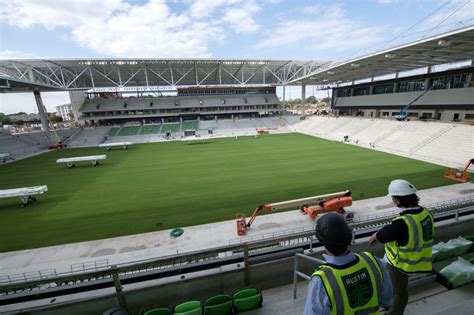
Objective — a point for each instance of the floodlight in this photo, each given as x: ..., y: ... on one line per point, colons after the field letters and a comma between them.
x: 444, y: 43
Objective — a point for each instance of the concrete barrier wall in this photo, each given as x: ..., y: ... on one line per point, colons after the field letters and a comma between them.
x: 226, y: 280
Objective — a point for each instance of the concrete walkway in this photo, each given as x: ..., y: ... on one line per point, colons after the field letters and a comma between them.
x: 157, y: 244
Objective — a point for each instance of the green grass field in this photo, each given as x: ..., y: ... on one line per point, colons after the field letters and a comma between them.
x: 177, y: 184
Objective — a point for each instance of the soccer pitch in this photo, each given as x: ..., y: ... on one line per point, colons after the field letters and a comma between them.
x: 175, y: 184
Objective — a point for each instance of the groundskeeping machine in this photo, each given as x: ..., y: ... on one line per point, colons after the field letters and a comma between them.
x: 461, y: 175
x: 311, y: 206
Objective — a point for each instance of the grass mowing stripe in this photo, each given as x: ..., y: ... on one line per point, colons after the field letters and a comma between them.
x: 177, y: 184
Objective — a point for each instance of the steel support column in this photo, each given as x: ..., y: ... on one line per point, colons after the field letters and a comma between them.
x: 41, y: 111
x: 303, y: 97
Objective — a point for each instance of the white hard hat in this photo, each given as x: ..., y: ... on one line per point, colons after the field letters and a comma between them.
x: 401, y: 187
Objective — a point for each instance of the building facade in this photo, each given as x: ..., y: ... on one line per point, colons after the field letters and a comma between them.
x: 65, y: 112
x: 187, y: 103
x: 447, y: 95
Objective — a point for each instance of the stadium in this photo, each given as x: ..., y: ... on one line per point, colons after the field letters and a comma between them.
x: 187, y: 178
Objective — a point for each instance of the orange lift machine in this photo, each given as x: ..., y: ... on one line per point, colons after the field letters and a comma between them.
x: 459, y: 175
x: 312, y: 206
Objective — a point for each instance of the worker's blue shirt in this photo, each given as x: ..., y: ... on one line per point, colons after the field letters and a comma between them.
x: 317, y: 301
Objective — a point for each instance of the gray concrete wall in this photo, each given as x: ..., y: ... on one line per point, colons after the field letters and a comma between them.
x: 447, y: 97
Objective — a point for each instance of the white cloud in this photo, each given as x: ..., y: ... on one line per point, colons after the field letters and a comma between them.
x: 117, y: 28
x: 203, y: 8
x: 385, y: 1
x: 452, y: 13
x: 328, y: 28
x: 150, y: 30
x: 15, y: 54
x: 241, y: 17
x: 52, y: 13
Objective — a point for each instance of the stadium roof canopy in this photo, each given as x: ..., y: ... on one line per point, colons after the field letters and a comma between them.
x: 84, y: 74
x: 80, y: 74
x: 449, y: 47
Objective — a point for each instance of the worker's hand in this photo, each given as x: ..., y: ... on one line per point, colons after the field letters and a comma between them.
x: 373, y: 239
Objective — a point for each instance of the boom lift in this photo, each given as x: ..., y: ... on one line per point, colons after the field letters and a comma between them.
x: 402, y: 115
x: 53, y: 146
x: 312, y: 206
x: 460, y: 175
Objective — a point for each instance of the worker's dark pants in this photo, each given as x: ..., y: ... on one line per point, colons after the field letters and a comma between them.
x: 400, y: 290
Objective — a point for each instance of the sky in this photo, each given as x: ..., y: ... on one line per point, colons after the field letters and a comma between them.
x: 269, y: 29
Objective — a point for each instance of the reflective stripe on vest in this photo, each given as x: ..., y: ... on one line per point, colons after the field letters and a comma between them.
x: 337, y: 294
x: 416, y: 255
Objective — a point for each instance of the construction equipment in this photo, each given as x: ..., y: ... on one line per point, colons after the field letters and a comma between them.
x: 53, y: 146
x: 461, y: 175
x: 402, y: 115
x: 58, y: 145
x: 312, y: 206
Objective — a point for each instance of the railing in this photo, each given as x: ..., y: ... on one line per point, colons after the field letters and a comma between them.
x: 296, y: 272
x: 90, y: 265
x: 238, y: 254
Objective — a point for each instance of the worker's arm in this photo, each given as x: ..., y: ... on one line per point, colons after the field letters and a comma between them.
x: 317, y: 301
x: 395, y: 231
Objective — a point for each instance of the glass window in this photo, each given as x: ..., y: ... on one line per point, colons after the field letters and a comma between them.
x: 342, y: 92
x: 383, y: 89
x: 411, y: 86
x: 361, y: 91
x: 450, y: 82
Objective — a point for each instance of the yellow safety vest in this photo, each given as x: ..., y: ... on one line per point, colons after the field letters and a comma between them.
x: 416, y: 255
x: 355, y: 289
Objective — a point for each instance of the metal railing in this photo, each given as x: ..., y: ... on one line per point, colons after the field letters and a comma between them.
x: 297, y: 273
x: 90, y: 265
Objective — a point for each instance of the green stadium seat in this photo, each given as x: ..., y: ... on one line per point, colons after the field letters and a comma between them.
x: 113, y: 131
x: 189, y: 125
x: 150, y: 129
x: 128, y: 131
x: 218, y: 305
x: 470, y: 238
x: 247, y: 300
x: 170, y: 127
x: 188, y: 308
x: 158, y: 311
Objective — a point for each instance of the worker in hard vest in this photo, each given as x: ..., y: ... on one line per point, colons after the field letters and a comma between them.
x: 348, y: 283
x: 408, y: 241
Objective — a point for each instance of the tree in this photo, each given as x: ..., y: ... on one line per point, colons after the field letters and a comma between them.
x: 311, y: 99
x: 19, y: 122
x: 326, y: 100
x: 56, y: 119
x: 4, y: 119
